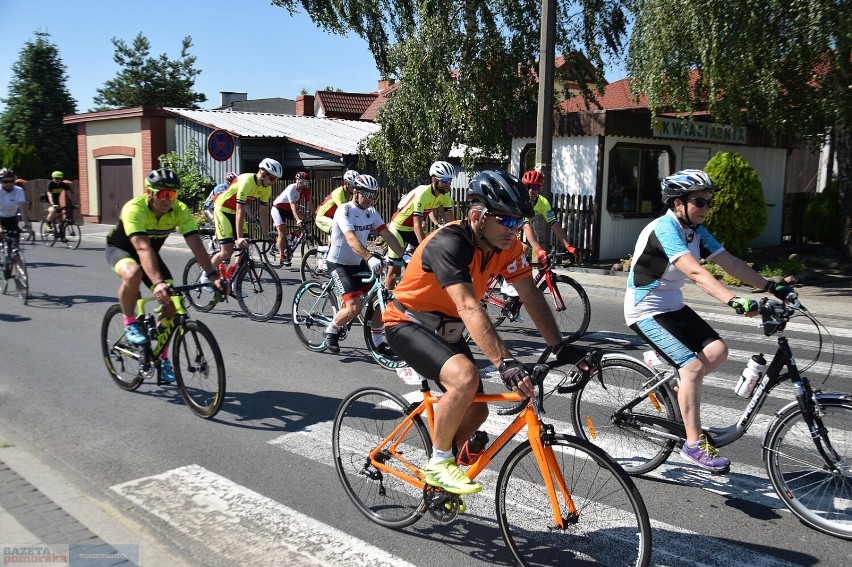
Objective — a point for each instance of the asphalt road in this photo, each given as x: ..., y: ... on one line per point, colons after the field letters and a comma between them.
x: 256, y: 483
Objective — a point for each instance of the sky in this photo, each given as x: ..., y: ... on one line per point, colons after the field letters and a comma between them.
x: 241, y: 45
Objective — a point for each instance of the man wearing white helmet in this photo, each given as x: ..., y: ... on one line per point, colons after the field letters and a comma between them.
x: 408, y: 223
x: 229, y: 209
x: 325, y: 212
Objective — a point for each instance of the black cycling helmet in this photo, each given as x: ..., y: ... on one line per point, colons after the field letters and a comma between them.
x: 685, y: 181
x: 162, y: 179
x: 500, y: 191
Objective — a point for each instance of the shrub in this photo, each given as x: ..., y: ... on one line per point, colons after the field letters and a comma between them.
x: 738, y: 214
x: 823, y: 222
x: 23, y: 160
x: 194, y: 185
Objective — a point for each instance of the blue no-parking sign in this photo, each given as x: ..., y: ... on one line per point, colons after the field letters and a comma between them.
x: 220, y: 145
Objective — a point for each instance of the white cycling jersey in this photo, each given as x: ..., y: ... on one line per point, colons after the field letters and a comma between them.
x: 348, y: 217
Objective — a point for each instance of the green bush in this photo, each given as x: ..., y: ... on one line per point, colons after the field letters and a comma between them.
x: 194, y: 185
x: 781, y: 267
x: 738, y: 214
x: 23, y: 160
x: 823, y: 222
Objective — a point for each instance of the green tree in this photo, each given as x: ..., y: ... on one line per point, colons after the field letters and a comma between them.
x: 739, y: 210
x: 793, y: 80
x: 37, y: 101
x: 24, y: 161
x: 194, y: 183
x: 466, y: 68
x: 149, y: 81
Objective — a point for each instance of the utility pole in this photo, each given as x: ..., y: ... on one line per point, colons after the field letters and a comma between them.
x: 544, y: 120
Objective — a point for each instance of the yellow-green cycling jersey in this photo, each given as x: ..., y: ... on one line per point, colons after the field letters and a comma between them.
x: 325, y: 212
x: 419, y: 202
x: 137, y: 218
x: 542, y: 207
x: 244, y: 190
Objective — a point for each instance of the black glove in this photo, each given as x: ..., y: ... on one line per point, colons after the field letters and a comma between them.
x: 512, y: 372
x: 742, y: 305
x: 781, y: 291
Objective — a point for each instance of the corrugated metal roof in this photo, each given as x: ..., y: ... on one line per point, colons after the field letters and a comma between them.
x: 333, y: 135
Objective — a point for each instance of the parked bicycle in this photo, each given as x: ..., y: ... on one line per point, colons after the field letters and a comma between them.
x: 14, y: 267
x: 314, y: 307
x: 566, y: 296
x: 559, y: 499
x: 198, y: 364
x: 632, y: 412
x: 256, y: 286
x: 64, y: 228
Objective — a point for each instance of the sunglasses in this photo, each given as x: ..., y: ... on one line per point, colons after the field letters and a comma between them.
x: 507, y: 221
x: 701, y: 202
x: 446, y: 180
x: 534, y: 187
x: 367, y: 194
x: 165, y: 194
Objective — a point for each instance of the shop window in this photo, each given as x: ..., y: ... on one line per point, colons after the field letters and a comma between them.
x: 635, y: 173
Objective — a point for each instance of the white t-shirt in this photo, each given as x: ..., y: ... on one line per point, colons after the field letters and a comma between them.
x: 349, y: 216
x: 290, y: 194
x: 9, y: 201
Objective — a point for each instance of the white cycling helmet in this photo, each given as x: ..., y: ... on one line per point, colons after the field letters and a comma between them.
x: 350, y: 175
x: 365, y: 182
x: 442, y: 169
x: 272, y: 167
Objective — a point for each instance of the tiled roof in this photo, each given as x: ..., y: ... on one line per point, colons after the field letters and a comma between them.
x: 334, y: 135
x: 616, y: 96
x: 344, y: 105
x: 373, y: 110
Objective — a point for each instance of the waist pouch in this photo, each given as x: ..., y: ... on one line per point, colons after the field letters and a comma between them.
x: 448, y: 328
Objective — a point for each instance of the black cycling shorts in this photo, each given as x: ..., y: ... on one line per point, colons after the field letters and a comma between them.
x: 678, y: 335
x: 116, y: 256
x: 347, y: 281
x: 424, y: 351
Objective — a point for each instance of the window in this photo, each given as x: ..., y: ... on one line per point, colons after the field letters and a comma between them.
x: 634, y: 177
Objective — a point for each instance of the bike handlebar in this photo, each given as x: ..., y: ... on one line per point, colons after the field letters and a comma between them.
x: 776, y: 314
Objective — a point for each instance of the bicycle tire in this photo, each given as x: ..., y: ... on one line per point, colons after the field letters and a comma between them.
x: 494, y: 311
x: 124, y: 361
x: 309, y: 241
x: 72, y: 235
x: 20, y: 277
x: 386, y: 361
x: 573, y: 320
x: 309, y: 269
x: 611, y: 526
x: 593, y: 415
x: 312, y: 311
x: 200, y: 299
x: 26, y: 230
x: 363, y: 419
x: 258, y: 290
x: 199, y: 369
x: 47, y: 237
x: 818, y: 497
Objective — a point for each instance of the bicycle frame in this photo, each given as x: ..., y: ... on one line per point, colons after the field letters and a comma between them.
x: 165, y: 331
x: 544, y: 272
x: 528, y: 418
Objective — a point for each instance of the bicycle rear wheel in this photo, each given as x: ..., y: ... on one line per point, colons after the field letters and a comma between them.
x: 309, y: 242
x: 365, y: 418
x: 201, y: 299
x: 199, y: 369
x: 258, y: 290
x: 817, y: 495
x: 73, y: 235
x: 595, y: 415
x: 124, y: 361
x: 47, y: 236
x: 388, y: 359
x: 20, y: 277
x: 574, y: 311
x: 314, y: 306
x: 610, y: 526
x: 313, y: 268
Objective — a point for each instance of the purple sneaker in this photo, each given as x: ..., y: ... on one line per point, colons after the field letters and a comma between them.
x: 703, y: 454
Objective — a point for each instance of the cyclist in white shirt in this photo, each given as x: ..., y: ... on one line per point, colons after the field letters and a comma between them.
x: 11, y: 197
x: 348, y: 255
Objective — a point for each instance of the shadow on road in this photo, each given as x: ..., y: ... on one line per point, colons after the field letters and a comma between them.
x: 45, y: 301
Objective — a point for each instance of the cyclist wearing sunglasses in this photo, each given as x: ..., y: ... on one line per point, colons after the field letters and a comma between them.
x: 348, y: 255
x: 408, y: 223
x: 438, y: 297
x: 286, y: 207
x: 667, y: 253
x: 133, y: 251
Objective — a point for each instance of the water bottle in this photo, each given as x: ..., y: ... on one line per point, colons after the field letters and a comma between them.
x: 472, y: 448
x: 751, y: 375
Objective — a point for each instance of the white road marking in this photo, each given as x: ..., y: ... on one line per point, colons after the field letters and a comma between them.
x: 240, y: 523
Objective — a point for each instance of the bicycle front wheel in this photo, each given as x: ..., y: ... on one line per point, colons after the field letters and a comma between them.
x: 20, y: 277
x: 73, y: 236
x: 258, y: 290
x: 201, y: 299
x: 124, y: 361
x: 385, y: 357
x: 818, y: 494
x: 609, y: 524
x: 366, y: 418
x: 199, y: 369
x: 47, y: 236
x: 314, y: 307
x: 312, y: 268
x: 596, y: 415
x: 570, y: 306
